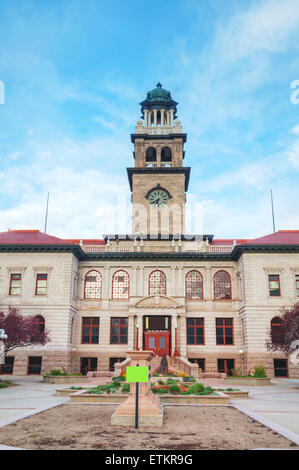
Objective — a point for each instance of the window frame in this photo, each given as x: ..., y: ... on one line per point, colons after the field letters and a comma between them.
x: 224, y: 335
x: 36, y: 283
x: 10, y: 283
x: 297, y: 285
x: 279, y: 324
x: 41, y: 322
x: 195, y: 328
x: 230, y: 282
x: 186, y: 280
x: 100, y: 287
x: 269, y: 288
x: 113, y: 280
x: 149, y: 283
x: 119, y: 326
x: 90, y: 326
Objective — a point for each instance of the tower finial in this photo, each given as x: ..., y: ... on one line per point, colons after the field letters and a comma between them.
x: 159, y: 85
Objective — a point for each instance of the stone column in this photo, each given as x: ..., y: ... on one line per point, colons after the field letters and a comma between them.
x: 139, y: 321
x: 155, y: 117
x: 208, y: 287
x: 162, y: 117
x: 145, y: 118
x: 171, y: 117
x: 182, y: 336
x: 131, y: 332
x: 106, y: 283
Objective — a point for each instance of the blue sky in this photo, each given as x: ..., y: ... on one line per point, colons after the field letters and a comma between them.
x: 74, y: 73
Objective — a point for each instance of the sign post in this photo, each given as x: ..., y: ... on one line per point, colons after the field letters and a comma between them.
x: 136, y: 375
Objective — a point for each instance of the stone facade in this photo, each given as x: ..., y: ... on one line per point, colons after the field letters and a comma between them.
x: 145, y: 313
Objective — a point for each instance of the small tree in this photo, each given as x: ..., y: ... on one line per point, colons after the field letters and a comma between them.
x: 289, y: 331
x: 22, y: 331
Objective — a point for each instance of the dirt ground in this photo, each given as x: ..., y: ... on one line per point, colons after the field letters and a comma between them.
x: 77, y: 426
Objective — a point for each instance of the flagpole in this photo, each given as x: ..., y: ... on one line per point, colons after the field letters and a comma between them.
x: 273, y: 220
x: 46, y: 219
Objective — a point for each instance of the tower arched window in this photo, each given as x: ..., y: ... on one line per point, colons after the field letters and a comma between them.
x: 40, y: 322
x: 151, y: 156
x: 93, y: 285
x: 276, y: 330
x: 121, y: 285
x: 166, y: 155
x: 194, y: 285
x: 157, y: 283
x: 222, y: 285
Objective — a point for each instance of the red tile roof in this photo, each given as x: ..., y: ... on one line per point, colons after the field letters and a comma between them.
x: 33, y: 237
x: 282, y: 237
x: 89, y: 241
x: 229, y: 241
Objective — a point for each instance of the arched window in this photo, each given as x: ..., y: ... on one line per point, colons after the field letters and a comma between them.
x: 157, y: 283
x: 121, y: 285
x: 166, y: 154
x: 276, y: 330
x: 40, y: 322
x: 222, y: 286
x: 194, y: 285
x: 93, y: 285
x: 151, y: 155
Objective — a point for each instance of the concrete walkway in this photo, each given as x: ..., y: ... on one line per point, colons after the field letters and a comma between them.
x: 277, y: 403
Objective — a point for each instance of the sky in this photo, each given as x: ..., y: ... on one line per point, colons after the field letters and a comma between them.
x: 72, y: 75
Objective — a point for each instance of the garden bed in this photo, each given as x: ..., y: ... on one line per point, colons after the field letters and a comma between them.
x: 81, y: 427
x: 251, y: 381
x: 234, y: 393
x: 62, y: 392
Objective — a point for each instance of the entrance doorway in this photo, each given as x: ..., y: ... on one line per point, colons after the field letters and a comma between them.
x: 226, y: 365
x: 157, y: 335
x: 157, y: 341
x: 88, y: 364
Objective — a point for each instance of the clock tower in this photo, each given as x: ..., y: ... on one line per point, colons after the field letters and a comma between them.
x: 158, y: 180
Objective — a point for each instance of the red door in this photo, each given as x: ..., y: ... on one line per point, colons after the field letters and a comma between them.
x: 157, y: 341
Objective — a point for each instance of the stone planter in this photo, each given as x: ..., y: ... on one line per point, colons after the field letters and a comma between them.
x: 250, y: 381
x: 65, y: 379
x: 219, y: 399
x: 236, y: 394
x: 65, y: 392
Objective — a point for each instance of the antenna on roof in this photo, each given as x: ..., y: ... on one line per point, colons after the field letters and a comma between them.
x: 273, y: 220
x: 46, y: 219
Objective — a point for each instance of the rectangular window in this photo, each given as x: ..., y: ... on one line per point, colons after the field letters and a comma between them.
x: 7, y: 368
x: 297, y: 284
x: 224, y: 331
x: 195, y: 331
x: 274, y: 285
x: 119, y: 331
x: 34, y: 365
x: 41, y: 284
x: 15, y: 284
x: 90, y: 330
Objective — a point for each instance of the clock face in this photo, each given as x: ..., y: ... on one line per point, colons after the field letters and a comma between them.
x: 158, y: 198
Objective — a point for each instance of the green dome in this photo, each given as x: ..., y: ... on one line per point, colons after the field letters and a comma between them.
x: 158, y: 98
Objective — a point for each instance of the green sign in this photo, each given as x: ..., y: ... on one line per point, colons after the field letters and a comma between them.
x: 137, y: 374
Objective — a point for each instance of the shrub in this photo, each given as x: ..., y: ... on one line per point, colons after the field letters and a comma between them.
x: 260, y: 372
x: 119, y: 378
x: 162, y: 390
x: 116, y: 383
x: 197, y: 388
x: 4, y: 384
x: 171, y: 381
x: 56, y: 372
x: 161, y: 382
x: 174, y: 388
x: 125, y: 388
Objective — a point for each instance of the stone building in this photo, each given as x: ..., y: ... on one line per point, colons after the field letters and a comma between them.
x: 202, y: 301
